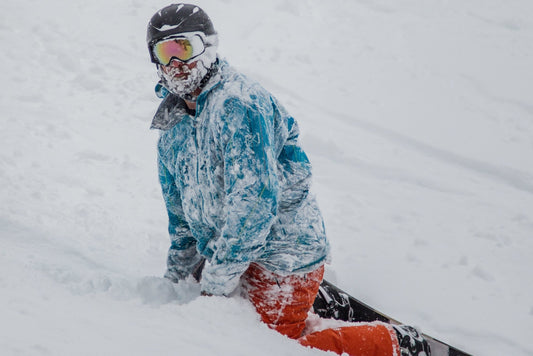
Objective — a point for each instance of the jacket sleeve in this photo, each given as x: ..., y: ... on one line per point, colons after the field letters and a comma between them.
x: 251, y: 191
x: 183, y: 259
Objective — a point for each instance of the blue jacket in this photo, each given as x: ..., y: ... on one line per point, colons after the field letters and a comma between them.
x: 236, y: 185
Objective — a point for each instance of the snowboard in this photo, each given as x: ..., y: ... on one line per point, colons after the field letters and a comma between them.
x: 332, y: 302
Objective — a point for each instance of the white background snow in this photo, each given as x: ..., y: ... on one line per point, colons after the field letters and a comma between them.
x: 417, y: 116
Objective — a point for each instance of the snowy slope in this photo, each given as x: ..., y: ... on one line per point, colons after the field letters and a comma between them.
x: 417, y: 116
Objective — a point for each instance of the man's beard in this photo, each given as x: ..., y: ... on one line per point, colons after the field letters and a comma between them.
x: 182, y: 86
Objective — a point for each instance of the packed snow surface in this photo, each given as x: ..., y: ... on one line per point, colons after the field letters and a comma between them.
x: 417, y: 117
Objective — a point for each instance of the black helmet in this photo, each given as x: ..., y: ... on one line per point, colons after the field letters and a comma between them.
x: 175, y: 19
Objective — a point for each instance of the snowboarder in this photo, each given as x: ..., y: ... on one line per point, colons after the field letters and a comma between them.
x: 236, y: 184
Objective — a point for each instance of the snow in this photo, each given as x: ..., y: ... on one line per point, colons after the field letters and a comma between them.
x: 417, y: 117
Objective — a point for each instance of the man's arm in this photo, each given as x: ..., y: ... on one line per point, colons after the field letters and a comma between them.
x: 183, y: 259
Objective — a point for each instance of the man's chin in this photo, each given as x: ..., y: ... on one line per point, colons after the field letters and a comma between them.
x: 181, y: 87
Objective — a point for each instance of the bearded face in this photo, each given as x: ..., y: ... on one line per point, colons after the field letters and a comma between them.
x: 177, y: 74
x: 181, y: 78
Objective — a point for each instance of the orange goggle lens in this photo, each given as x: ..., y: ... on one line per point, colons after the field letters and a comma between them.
x: 183, y: 49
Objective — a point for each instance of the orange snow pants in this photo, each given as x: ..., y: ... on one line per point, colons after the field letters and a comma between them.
x: 284, y: 301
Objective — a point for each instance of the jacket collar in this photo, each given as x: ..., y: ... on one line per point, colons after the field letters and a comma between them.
x: 169, y: 113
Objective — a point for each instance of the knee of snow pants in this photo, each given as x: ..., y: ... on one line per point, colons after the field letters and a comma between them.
x: 284, y: 301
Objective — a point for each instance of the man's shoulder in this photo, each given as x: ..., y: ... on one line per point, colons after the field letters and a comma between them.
x: 238, y: 86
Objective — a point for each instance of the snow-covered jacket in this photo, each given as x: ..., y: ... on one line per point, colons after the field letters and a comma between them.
x: 236, y: 185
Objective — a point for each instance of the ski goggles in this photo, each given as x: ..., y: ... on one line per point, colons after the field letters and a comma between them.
x: 182, y: 48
